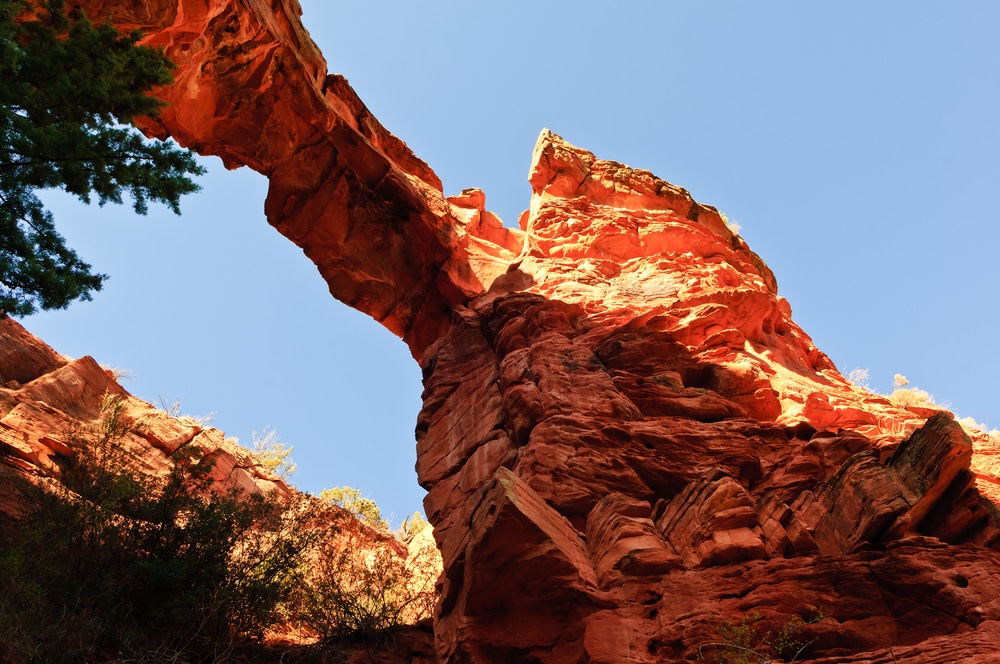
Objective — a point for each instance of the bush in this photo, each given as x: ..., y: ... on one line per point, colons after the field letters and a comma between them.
x: 350, y: 499
x: 115, y: 561
x: 903, y: 396
x: 358, y: 588
x: 748, y: 643
x: 270, y: 453
x: 112, y: 563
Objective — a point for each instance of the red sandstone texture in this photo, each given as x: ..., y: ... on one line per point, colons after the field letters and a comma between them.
x: 626, y: 440
x: 45, y: 397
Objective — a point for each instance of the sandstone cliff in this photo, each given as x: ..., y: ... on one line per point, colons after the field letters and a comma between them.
x: 626, y: 440
x: 45, y: 396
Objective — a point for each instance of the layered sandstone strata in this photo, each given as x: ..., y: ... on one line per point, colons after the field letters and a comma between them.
x: 626, y: 440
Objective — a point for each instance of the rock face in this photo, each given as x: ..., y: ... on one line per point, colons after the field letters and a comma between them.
x: 626, y: 440
x: 45, y: 396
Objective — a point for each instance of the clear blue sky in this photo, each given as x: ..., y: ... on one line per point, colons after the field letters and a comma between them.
x: 855, y: 143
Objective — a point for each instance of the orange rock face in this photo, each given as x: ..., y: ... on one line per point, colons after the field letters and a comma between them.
x: 628, y: 444
x: 45, y: 396
x: 627, y: 441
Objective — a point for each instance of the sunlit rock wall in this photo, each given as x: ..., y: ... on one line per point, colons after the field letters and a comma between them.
x: 626, y: 440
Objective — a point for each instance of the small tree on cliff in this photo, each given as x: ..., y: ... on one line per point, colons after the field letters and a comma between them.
x: 351, y: 500
x: 66, y: 87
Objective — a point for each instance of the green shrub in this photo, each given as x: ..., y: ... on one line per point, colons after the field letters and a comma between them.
x: 270, y: 453
x: 125, y: 563
x: 111, y: 563
x: 359, y: 589
x: 350, y: 499
x: 748, y: 643
x: 411, y: 526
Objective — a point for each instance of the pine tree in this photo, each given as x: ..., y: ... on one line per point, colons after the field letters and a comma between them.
x: 68, y: 91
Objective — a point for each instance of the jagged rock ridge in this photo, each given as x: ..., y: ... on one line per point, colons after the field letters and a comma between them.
x: 626, y: 440
x: 45, y: 396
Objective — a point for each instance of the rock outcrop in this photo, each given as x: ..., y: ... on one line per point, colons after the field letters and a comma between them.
x: 45, y: 397
x: 626, y: 440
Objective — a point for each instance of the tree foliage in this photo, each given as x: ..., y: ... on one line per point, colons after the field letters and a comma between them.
x: 351, y: 500
x: 270, y: 453
x: 68, y: 88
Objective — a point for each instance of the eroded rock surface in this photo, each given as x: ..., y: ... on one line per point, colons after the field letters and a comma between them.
x: 48, y: 402
x: 626, y: 440
x: 637, y: 373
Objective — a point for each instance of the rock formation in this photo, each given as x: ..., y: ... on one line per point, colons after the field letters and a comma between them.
x: 627, y: 441
x: 45, y: 396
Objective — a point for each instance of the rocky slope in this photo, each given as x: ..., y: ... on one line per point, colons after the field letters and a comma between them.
x: 626, y: 440
x: 45, y: 397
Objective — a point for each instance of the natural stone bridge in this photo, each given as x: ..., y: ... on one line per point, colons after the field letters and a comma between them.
x: 625, y: 438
